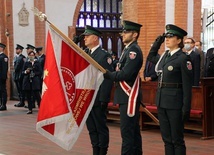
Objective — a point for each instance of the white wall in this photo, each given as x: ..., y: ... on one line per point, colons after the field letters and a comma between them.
x: 59, y: 12
x: 23, y: 35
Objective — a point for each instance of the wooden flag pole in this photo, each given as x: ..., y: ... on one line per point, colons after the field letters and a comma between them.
x: 43, y: 17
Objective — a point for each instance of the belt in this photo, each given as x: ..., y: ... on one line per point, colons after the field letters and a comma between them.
x: 169, y: 85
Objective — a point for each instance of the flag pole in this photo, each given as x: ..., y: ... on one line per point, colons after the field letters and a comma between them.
x: 43, y: 17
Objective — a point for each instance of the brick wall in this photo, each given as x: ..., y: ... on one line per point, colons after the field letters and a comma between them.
x: 151, y: 14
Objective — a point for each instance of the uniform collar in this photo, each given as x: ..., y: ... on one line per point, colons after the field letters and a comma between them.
x: 174, y: 51
x: 94, y: 48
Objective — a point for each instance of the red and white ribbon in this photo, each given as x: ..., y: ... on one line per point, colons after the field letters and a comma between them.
x: 132, y: 92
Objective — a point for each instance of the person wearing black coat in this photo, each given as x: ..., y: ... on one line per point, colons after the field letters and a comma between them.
x: 41, y: 58
x: 209, y: 64
x: 3, y: 77
x: 32, y: 72
x: 149, y: 71
x: 173, y: 97
x: 189, y: 47
x: 96, y: 121
x: 19, y: 61
x: 127, y: 90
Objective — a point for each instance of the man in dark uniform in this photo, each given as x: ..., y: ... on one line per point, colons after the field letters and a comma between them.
x: 127, y: 89
x: 189, y: 47
x: 149, y: 71
x: 209, y: 64
x: 41, y: 59
x: 19, y: 61
x: 115, y: 60
x: 3, y: 77
x: 174, y: 91
x: 96, y: 121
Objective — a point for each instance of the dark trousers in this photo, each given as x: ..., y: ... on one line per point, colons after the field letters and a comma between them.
x: 3, y: 92
x: 130, y: 131
x: 96, y: 125
x: 32, y: 95
x: 20, y: 91
x: 172, y: 128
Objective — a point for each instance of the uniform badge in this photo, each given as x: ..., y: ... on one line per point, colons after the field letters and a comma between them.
x: 109, y: 60
x: 5, y: 59
x: 132, y: 55
x: 189, y: 65
x: 170, y: 68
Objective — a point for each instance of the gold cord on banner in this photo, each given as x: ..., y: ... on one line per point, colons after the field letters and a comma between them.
x: 43, y: 17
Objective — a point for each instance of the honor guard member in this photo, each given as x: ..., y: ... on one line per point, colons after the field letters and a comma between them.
x: 19, y: 61
x: 173, y: 97
x: 96, y: 121
x: 41, y: 59
x: 127, y: 89
x: 3, y: 77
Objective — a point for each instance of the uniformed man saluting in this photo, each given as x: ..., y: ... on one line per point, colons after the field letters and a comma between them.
x: 173, y: 98
x: 3, y: 77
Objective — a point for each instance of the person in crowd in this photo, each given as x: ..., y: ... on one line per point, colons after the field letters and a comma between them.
x: 127, y: 91
x: 198, y: 46
x: 115, y: 60
x: 189, y: 48
x: 173, y: 97
x: 30, y: 48
x: 209, y: 64
x: 96, y: 121
x: 41, y: 59
x: 3, y: 77
x: 149, y: 71
x: 31, y: 81
x: 18, y: 63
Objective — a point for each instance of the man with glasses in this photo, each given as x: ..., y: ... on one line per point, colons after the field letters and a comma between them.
x: 189, y: 48
x: 127, y: 92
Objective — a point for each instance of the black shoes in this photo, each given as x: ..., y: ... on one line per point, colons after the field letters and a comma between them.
x: 3, y: 107
x: 29, y: 112
x: 19, y: 105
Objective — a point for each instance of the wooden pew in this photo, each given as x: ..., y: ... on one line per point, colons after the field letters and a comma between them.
x: 202, y: 106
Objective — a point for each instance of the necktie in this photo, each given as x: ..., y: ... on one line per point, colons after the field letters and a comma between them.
x: 168, y: 56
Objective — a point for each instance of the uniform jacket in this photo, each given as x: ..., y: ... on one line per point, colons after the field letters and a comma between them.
x: 196, y: 63
x: 130, y: 64
x: 102, y: 57
x: 176, y: 70
x: 41, y: 60
x: 18, y: 66
x: 3, y: 66
x: 149, y: 70
x: 32, y: 80
x: 209, y: 65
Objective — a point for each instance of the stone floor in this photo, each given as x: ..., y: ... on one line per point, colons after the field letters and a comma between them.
x: 19, y: 137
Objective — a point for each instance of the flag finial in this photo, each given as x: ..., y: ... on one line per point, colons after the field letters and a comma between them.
x: 39, y: 14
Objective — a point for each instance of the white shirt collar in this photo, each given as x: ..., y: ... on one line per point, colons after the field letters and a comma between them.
x: 94, y: 48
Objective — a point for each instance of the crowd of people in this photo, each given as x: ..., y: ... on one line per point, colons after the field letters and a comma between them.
x: 27, y: 76
x: 178, y: 69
